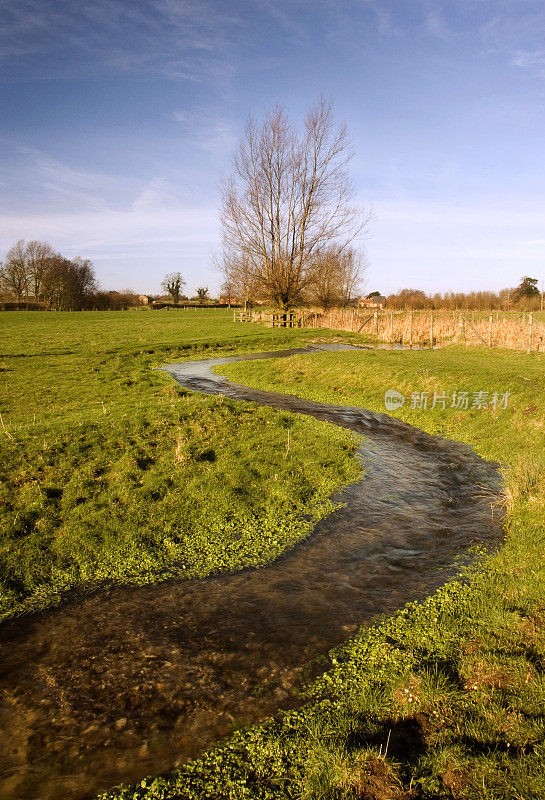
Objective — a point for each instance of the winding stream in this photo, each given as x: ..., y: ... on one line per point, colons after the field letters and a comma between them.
x: 131, y: 681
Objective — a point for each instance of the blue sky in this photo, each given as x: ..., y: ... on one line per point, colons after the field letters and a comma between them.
x: 117, y: 118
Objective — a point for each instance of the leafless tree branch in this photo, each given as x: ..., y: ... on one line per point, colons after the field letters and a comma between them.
x: 288, y: 203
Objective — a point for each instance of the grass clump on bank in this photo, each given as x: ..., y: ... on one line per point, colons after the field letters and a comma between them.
x: 109, y: 471
x: 446, y: 698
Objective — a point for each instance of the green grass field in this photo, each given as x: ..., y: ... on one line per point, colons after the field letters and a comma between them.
x: 361, y: 379
x: 110, y: 471
x: 446, y: 698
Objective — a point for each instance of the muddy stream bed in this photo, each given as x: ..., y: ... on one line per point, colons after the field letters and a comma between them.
x: 110, y: 687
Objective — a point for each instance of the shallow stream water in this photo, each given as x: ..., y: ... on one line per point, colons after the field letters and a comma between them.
x: 114, y: 686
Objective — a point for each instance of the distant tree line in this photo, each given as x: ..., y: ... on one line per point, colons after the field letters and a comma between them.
x: 524, y: 297
x: 112, y: 300
x: 34, y: 271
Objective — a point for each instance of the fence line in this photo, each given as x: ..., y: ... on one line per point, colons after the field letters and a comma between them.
x: 414, y: 328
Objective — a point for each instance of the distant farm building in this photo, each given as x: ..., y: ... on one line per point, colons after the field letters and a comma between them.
x: 378, y: 301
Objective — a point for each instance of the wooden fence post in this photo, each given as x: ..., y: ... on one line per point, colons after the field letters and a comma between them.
x: 411, y: 329
x: 461, y: 328
x: 431, y: 328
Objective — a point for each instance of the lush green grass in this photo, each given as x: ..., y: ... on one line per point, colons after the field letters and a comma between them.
x: 69, y: 364
x: 362, y: 378
x: 445, y: 698
x: 108, y: 470
x: 103, y: 465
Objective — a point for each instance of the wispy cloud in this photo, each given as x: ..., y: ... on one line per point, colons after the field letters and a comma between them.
x: 208, y: 130
x: 122, y: 224
x: 53, y: 181
x: 435, y: 22
x: 446, y: 246
x: 377, y: 15
x: 441, y: 246
x: 520, y: 216
x: 515, y: 30
x: 288, y: 17
x: 156, y: 195
x: 183, y: 41
x: 394, y: 20
x: 132, y: 246
x: 525, y: 58
x: 383, y: 16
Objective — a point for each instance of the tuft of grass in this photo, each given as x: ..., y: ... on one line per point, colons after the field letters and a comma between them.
x: 523, y: 481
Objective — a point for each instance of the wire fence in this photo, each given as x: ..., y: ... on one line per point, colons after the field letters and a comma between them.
x: 415, y: 328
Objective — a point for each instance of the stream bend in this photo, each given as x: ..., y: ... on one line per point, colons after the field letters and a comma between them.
x: 129, y: 682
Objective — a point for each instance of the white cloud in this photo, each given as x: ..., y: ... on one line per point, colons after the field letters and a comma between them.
x: 435, y: 22
x: 208, y: 130
x: 155, y: 195
x: 133, y: 247
x: 443, y: 246
x: 525, y: 58
x: 126, y: 229
x: 126, y: 226
x: 52, y: 181
x: 279, y: 12
x: 181, y: 40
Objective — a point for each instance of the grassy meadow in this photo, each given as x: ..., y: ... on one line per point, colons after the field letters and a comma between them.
x: 446, y: 698
x: 110, y: 471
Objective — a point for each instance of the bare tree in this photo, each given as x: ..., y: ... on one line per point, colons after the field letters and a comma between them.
x: 336, y: 276
x: 289, y: 196
x: 25, y: 268
x: 239, y: 277
x: 14, y: 278
x: 202, y: 293
x: 36, y: 270
x: 172, y: 284
x: 37, y: 256
x: 228, y: 291
x: 69, y: 285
